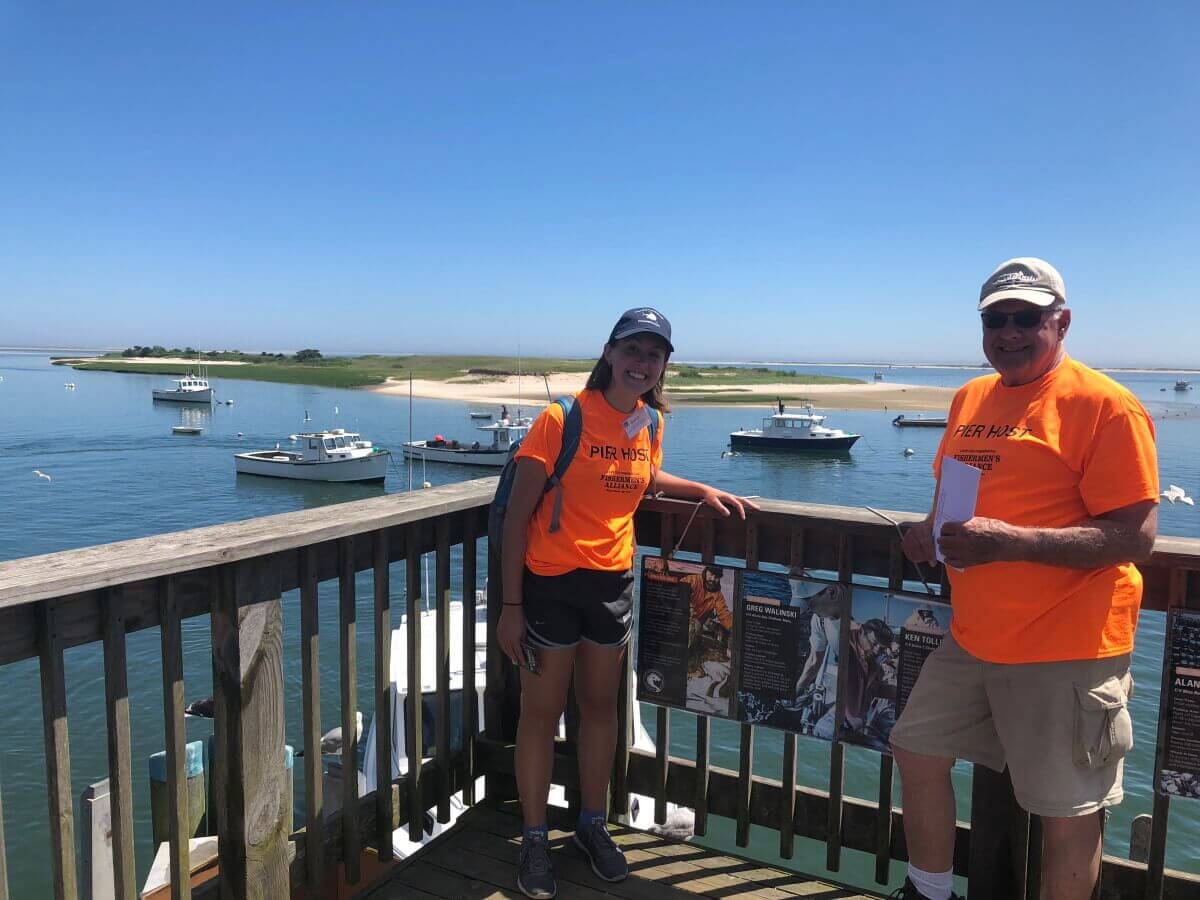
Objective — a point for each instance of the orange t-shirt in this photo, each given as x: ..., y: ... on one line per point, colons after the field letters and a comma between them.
x: 601, y: 488
x: 1068, y: 447
x: 705, y: 601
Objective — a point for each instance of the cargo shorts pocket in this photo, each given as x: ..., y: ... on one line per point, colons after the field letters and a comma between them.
x: 1103, y: 729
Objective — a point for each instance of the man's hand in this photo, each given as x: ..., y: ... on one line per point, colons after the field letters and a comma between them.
x: 918, y: 542
x: 978, y: 541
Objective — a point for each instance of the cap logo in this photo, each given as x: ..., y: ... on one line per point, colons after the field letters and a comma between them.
x: 1016, y: 277
x: 649, y: 316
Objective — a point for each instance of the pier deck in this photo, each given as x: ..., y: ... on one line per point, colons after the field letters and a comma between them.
x: 477, y: 859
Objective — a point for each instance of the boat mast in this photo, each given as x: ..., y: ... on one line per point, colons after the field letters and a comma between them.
x: 410, y: 459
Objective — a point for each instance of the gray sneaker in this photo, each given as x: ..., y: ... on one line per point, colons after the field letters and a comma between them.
x: 535, y: 872
x: 608, y: 862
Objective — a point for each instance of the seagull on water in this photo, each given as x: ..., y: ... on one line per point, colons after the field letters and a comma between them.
x: 40, y: 474
x: 1175, y: 492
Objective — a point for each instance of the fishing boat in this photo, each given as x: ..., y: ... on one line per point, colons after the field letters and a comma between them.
x: 336, y: 455
x: 797, y: 432
x: 802, y: 432
x: 919, y: 421
x: 491, y: 452
x: 1182, y: 385
x: 878, y: 376
x: 186, y: 429
x: 191, y: 388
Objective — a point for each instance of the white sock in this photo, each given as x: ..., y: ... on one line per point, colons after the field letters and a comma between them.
x: 932, y: 885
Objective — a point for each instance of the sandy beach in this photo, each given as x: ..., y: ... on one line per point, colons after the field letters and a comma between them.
x: 532, y: 392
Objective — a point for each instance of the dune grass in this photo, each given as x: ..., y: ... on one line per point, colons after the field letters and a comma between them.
x: 365, y: 371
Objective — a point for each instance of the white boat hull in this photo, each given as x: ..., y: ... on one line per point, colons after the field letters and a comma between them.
x: 463, y: 456
x: 204, y: 396
x: 281, y: 464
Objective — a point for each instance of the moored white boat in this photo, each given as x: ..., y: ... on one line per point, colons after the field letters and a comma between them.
x: 189, y: 389
x: 494, y: 452
x: 336, y: 455
x: 797, y: 432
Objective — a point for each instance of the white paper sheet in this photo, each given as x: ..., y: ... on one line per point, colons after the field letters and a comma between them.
x: 957, y: 493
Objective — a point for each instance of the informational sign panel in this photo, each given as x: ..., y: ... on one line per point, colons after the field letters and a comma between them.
x: 921, y: 626
x: 788, y: 674
x: 685, y: 650
x: 1180, y: 774
x: 767, y: 649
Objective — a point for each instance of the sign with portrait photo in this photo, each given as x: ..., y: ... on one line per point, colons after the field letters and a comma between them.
x: 1180, y: 773
x: 787, y: 674
x: 685, y: 650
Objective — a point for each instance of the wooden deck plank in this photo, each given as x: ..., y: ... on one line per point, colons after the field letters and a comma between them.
x: 478, y: 859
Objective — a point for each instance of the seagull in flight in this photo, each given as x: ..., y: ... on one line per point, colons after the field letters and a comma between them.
x: 1175, y: 492
x: 40, y: 474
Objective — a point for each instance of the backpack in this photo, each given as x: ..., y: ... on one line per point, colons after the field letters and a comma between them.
x: 572, y: 434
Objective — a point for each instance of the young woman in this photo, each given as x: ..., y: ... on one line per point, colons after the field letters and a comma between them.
x: 569, y: 592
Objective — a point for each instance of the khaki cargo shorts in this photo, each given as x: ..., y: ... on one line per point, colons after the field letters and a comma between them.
x: 1062, y: 728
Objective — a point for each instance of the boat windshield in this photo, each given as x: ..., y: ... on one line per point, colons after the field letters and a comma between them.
x: 328, y: 443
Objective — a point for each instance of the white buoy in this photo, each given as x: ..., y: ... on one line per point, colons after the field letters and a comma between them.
x: 909, y: 451
x: 427, y: 484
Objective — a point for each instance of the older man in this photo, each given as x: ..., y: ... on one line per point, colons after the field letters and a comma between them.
x: 1035, y: 672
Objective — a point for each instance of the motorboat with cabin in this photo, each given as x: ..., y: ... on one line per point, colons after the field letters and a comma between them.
x: 336, y: 455
x: 493, y: 451
x: 920, y: 421
x: 191, y: 388
x: 1181, y: 385
x: 800, y: 432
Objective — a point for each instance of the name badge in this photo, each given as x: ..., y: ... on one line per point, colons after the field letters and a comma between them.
x: 636, y: 421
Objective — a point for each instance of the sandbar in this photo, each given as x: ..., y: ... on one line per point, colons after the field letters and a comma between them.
x: 534, y: 391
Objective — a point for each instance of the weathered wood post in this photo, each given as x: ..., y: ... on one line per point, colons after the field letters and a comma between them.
x: 502, y: 695
x: 249, y: 770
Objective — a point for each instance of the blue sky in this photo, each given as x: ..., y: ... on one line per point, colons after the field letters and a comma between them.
x: 793, y: 180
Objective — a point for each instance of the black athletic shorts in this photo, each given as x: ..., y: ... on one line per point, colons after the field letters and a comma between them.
x: 580, y: 605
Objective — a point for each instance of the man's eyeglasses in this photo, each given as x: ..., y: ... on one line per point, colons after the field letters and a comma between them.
x: 1026, y: 318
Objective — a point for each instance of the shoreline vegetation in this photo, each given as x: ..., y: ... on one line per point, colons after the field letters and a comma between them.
x: 483, y: 380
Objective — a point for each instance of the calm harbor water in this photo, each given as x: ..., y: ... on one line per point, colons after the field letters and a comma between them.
x: 118, y: 472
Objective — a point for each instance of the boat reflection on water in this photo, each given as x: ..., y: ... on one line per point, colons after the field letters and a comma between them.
x: 311, y: 493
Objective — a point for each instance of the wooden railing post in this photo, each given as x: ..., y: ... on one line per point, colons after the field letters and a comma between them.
x: 502, y: 694
x: 999, y: 838
x: 58, y: 753
x: 251, y: 779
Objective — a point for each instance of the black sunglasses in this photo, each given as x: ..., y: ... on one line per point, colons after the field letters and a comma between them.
x: 1026, y: 318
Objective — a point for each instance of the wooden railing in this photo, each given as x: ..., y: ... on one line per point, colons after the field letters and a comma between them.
x: 236, y: 574
x: 999, y: 850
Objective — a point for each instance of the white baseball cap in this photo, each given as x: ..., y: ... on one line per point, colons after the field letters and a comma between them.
x: 1025, y: 278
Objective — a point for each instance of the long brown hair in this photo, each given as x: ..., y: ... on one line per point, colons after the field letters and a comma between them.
x: 601, y: 378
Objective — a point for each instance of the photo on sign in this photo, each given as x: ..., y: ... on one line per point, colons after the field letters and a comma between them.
x: 1180, y: 773
x: 685, y: 635
x: 788, y: 665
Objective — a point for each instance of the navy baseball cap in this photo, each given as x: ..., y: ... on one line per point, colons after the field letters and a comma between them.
x: 642, y: 320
